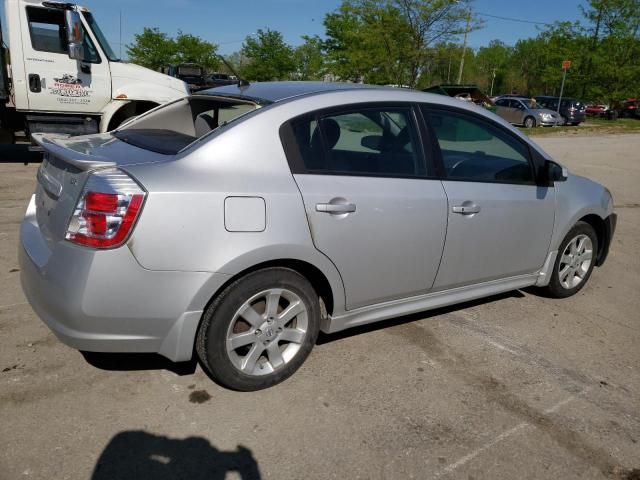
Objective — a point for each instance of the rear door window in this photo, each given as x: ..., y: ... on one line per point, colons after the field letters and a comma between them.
x: 474, y: 149
x: 372, y: 141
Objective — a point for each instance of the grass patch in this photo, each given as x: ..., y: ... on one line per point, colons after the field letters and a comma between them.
x: 590, y: 126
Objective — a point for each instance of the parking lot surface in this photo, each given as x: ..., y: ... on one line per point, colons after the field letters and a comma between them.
x: 514, y: 386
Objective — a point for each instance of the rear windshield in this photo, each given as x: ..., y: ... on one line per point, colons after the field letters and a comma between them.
x: 170, y: 129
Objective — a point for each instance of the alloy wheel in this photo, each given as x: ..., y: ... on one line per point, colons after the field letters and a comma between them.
x: 575, y: 261
x: 267, y: 331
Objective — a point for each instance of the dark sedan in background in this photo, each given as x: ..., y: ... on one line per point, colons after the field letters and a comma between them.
x: 572, y: 110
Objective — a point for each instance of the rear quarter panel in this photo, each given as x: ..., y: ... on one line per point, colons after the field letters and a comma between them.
x: 182, y: 226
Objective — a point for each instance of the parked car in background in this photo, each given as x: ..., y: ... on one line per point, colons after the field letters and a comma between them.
x: 572, y: 111
x: 335, y: 206
x: 507, y: 95
x: 596, y: 110
x: 525, y: 112
x: 630, y: 108
x: 468, y: 93
x: 220, y: 79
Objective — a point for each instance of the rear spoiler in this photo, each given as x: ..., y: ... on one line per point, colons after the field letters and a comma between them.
x: 73, y: 157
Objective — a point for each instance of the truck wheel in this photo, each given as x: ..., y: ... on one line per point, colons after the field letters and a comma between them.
x: 6, y: 136
x: 260, y: 329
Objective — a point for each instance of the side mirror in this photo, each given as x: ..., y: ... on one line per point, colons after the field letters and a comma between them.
x: 74, y: 34
x: 555, y: 172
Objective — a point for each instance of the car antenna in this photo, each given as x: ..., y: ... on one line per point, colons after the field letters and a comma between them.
x: 241, y: 81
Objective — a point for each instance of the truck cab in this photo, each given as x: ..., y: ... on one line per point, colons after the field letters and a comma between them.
x: 190, y: 73
x: 62, y: 76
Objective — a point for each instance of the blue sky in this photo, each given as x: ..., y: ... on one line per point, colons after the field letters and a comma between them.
x: 228, y: 22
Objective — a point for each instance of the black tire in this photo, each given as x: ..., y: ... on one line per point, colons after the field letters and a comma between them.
x: 564, y: 120
x: 212, y: 334
x: 555, y: 288
x: 529, y: 122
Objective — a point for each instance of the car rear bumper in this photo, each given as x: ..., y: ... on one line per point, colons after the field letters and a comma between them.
x: 104, y: 301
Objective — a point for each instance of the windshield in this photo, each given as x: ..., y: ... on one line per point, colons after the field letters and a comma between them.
x: 102, y: 40
x: 532, y: 104
x: 189, y: 70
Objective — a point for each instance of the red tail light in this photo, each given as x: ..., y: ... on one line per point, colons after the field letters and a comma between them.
x: 107, y: 210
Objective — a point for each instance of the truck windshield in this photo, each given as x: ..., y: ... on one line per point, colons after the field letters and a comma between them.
x: 189, y: 70
x: 102, y: 40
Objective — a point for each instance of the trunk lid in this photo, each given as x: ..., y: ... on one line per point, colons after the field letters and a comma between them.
x: 67, y: 164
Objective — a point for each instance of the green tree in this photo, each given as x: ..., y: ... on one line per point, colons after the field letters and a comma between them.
x: 388, y: 41
x: 192, y: 49
x: 612, y: 54
x: 310, y: 59
x: 442, y: 65
x: 604, y: 49
x: 493, y: 62
x: 152, y: 49
x: 155, y: 49
x: 268, y: 57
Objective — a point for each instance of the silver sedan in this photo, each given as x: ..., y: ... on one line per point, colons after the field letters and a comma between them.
x: 526, y: 112
x: 241, y: 221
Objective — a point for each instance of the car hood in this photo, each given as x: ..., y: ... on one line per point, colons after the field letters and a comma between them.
x: 542, y: 111
x: 130, y: 71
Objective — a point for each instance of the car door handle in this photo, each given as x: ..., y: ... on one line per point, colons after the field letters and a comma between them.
x: 335, y: 207
x: 465, y: 209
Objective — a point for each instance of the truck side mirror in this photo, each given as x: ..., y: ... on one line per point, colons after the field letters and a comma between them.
x: 74, y: 34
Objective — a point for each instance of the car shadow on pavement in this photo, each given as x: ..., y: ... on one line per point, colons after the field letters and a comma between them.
x: 372, y: 327
x: 137, y: 454
x: 130, y: 362
x: 19, y: 154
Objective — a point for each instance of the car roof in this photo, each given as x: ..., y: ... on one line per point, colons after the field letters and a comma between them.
x: 305, y: 95
x: 556, y: 98
x: 271, y: 92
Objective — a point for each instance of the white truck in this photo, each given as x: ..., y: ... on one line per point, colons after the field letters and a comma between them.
x: 58, y: 74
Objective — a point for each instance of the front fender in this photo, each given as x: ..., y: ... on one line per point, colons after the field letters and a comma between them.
x: 135, y: 90
x: 575, y: 199
x: 109, y: 111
